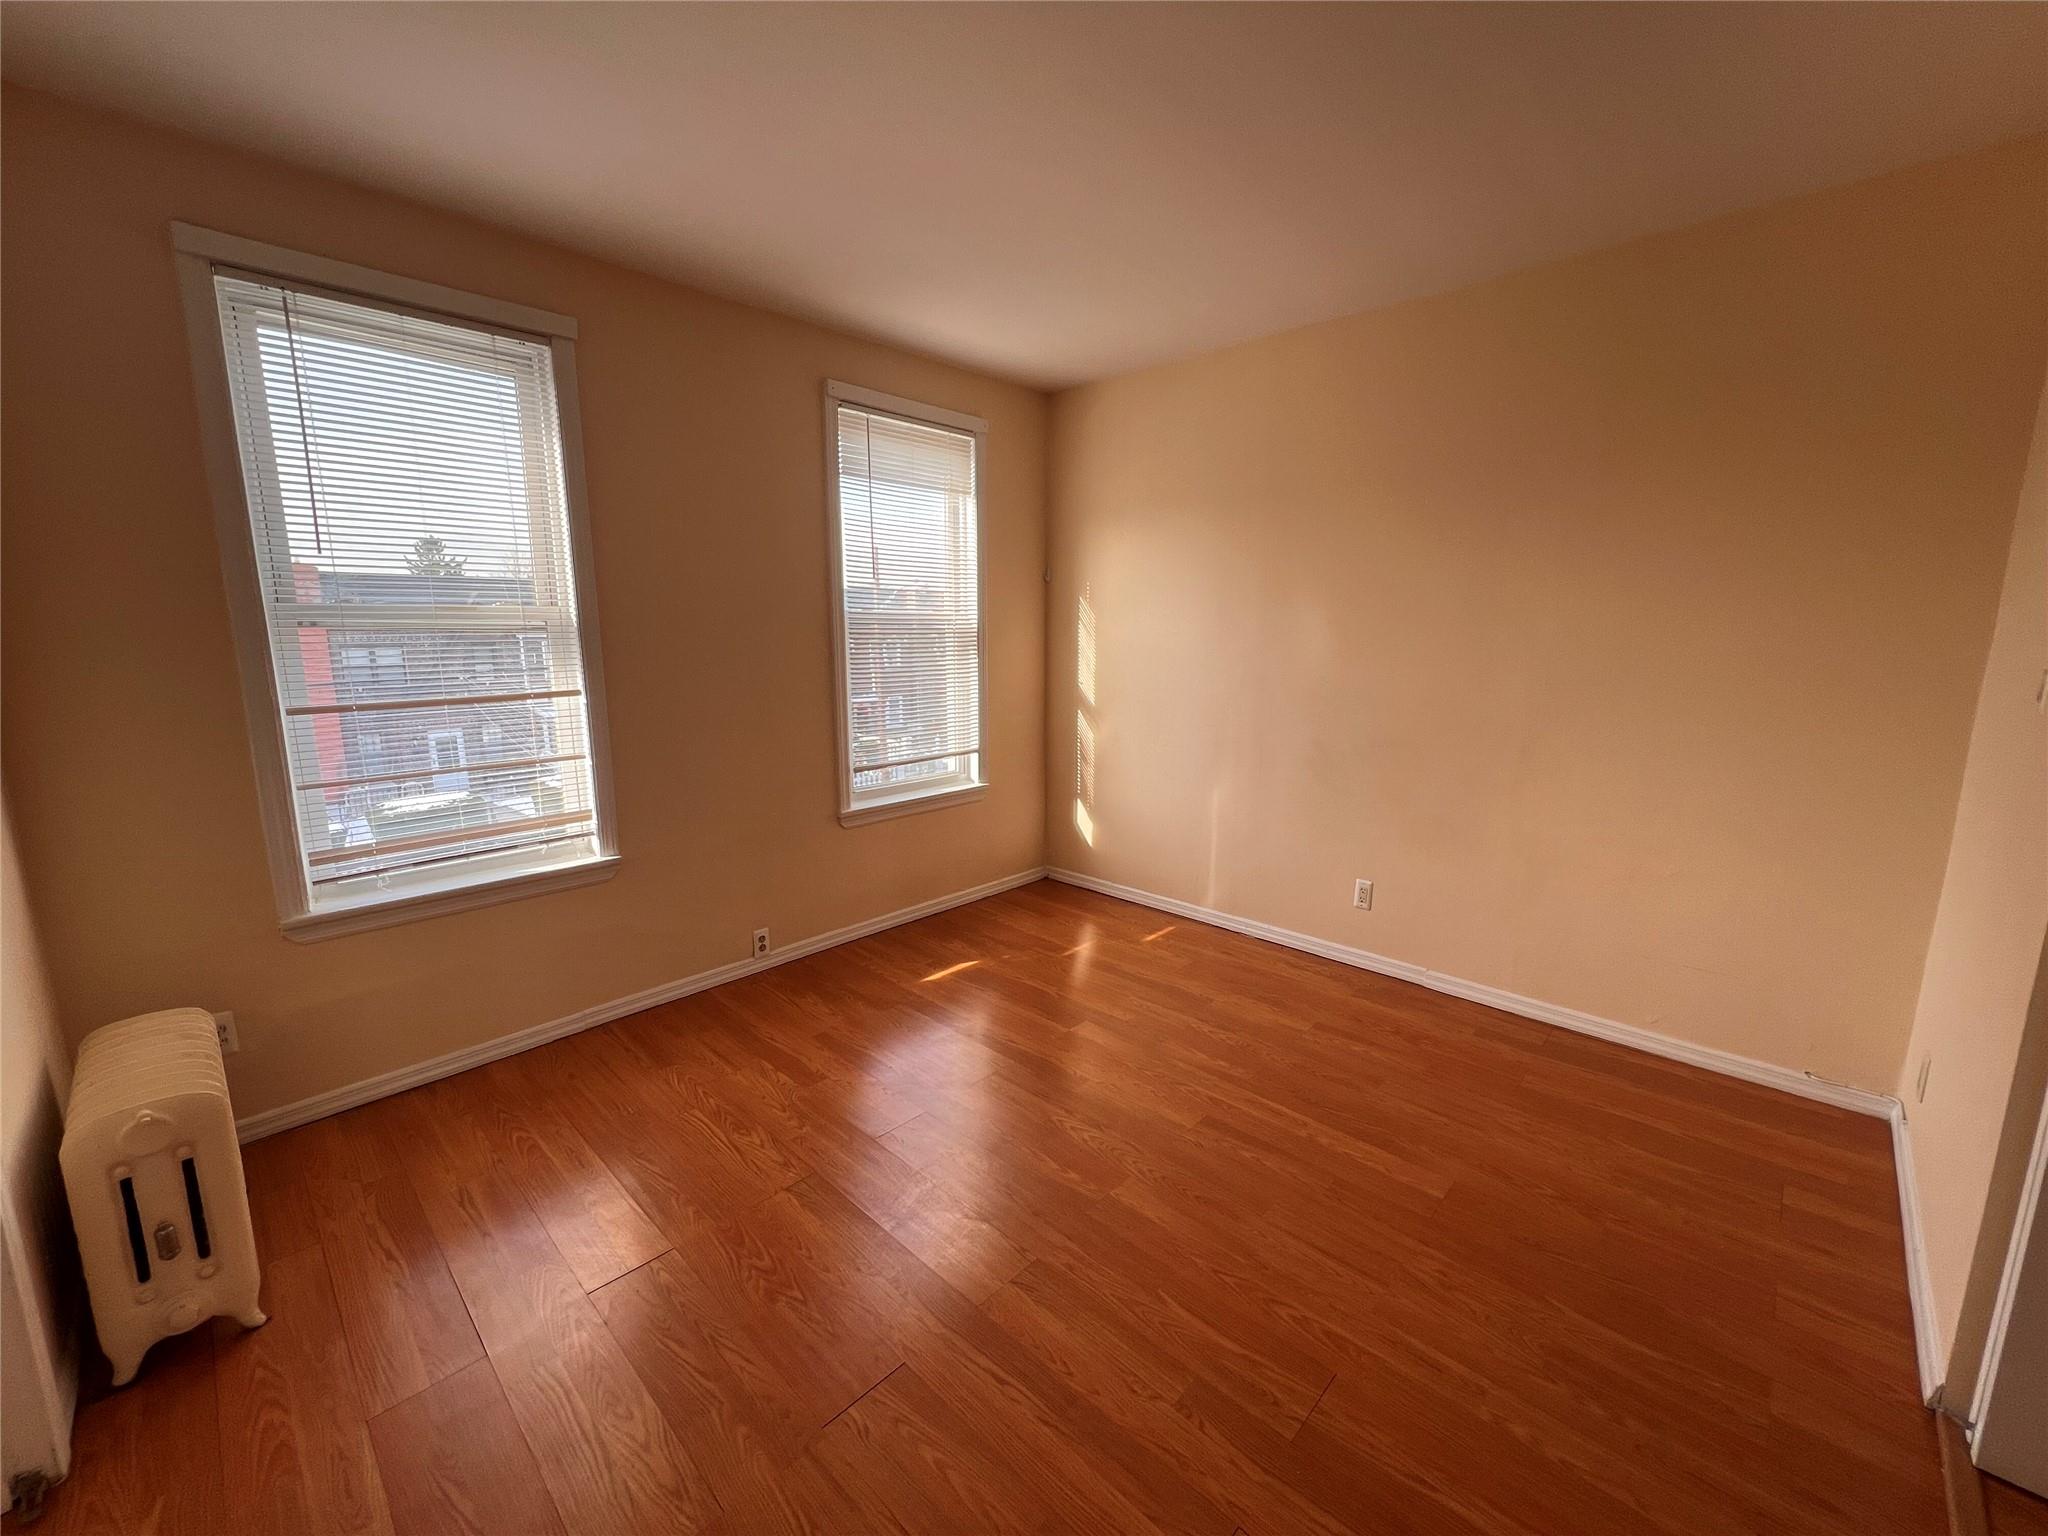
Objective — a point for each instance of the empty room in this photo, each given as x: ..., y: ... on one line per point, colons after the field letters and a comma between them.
x: 1234, y: 769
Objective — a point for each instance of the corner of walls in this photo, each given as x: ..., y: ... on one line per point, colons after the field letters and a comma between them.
x: 1984, y: 949
x: 1602, y: 647
x: 1930, y: 1351
x: 1597, y: 613
x: 702, y: 433
x: 40, y: 1280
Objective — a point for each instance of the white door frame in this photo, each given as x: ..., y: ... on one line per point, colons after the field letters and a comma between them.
x: 1984, y: 1401
x: 41, y: 1380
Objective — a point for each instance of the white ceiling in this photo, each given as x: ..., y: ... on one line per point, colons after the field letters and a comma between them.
x: 1055, y: 193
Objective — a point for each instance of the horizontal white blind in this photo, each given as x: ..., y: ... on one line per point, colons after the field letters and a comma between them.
x: 911, y: 586
x: 404, y: 481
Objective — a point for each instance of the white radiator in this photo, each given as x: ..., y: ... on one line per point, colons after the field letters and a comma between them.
x: 155, y: 1179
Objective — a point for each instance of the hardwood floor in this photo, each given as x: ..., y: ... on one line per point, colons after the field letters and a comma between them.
x: 2014, y: 1511
x: 1051, y: 1213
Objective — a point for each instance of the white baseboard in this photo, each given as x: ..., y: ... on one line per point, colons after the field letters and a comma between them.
x: 333, y: 1102
x: 1927, y: 1345
x: 1926, y: 1330
x: 1728, y: 1063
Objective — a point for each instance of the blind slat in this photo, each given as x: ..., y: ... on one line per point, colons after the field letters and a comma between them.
x: 428, y: 841
x: 404, y: 479
x: 496, y: 765
x: 431, y: 702
x: 911, y: 600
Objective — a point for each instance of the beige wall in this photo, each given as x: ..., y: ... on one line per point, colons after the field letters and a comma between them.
x: 1989, y: 926
x: 35, y: 1057
x: 125, y: 747
x: 1622, y: 619
x: 38, y: 1293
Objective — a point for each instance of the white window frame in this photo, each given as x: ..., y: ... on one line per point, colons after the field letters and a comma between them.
x: 197, y: 253
x: 944, y: 792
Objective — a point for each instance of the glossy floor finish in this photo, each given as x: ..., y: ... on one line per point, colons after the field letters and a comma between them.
x: 1052, y: 1213
x: 2013, y: 1511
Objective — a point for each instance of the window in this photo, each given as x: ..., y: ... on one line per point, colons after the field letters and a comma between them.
x: 402, y: 540
x: 905, y: 535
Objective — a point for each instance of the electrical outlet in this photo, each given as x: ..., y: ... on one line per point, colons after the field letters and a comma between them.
x: 760, y: 942
x: 224, y: 1026
x: 1361, y: 895
x: 1920, y: 1088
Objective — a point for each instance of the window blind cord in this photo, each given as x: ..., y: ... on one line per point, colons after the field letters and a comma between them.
x: 307, y: 450
x: 867, y: 427
x: 514, y: 454
x: 412, y: 453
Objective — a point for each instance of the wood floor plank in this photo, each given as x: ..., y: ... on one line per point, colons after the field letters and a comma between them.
x: 2014, y: 1511
x: 1053, y: 1213
x: 454, y: 1463
x: 511, y: 1277
x: 146, y: 1460
x: 593, y: 1222
x: 627, y: 1135
x: 406, y: 1325
x: 1145, y: 1265
x: 605, y: 1452
x: 1140, y: 1385
x: 1095, y: 1477
x: 295, y: 1447
x: 903, y: 1449
x: 955, y: 1240
x: 1356, y: 1492
x: 782, y: 1287
x: 714, y: 1391
x: 280, y: 1197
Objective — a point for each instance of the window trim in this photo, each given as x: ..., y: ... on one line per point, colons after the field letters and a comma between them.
x: 948, y: 791
x: 197, y: 254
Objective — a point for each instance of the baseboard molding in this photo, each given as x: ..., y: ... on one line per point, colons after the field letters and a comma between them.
x: 1926, y: 1331
x: 1804, y: 1084
x: 1927, y: 1345
x: 1962, y: 1489
x: 333, y: 1102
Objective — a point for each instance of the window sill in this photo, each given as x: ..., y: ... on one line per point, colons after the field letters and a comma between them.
x: 909, y: 805
x: 311, y: 927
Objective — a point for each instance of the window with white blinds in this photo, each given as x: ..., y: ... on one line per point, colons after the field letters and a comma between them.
x: 411, y: 526
x: 909, y: 591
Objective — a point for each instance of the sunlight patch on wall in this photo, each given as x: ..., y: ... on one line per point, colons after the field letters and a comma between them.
x: 1084, y: 649
x: 1084, y: 776
x: 1084, y: 727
